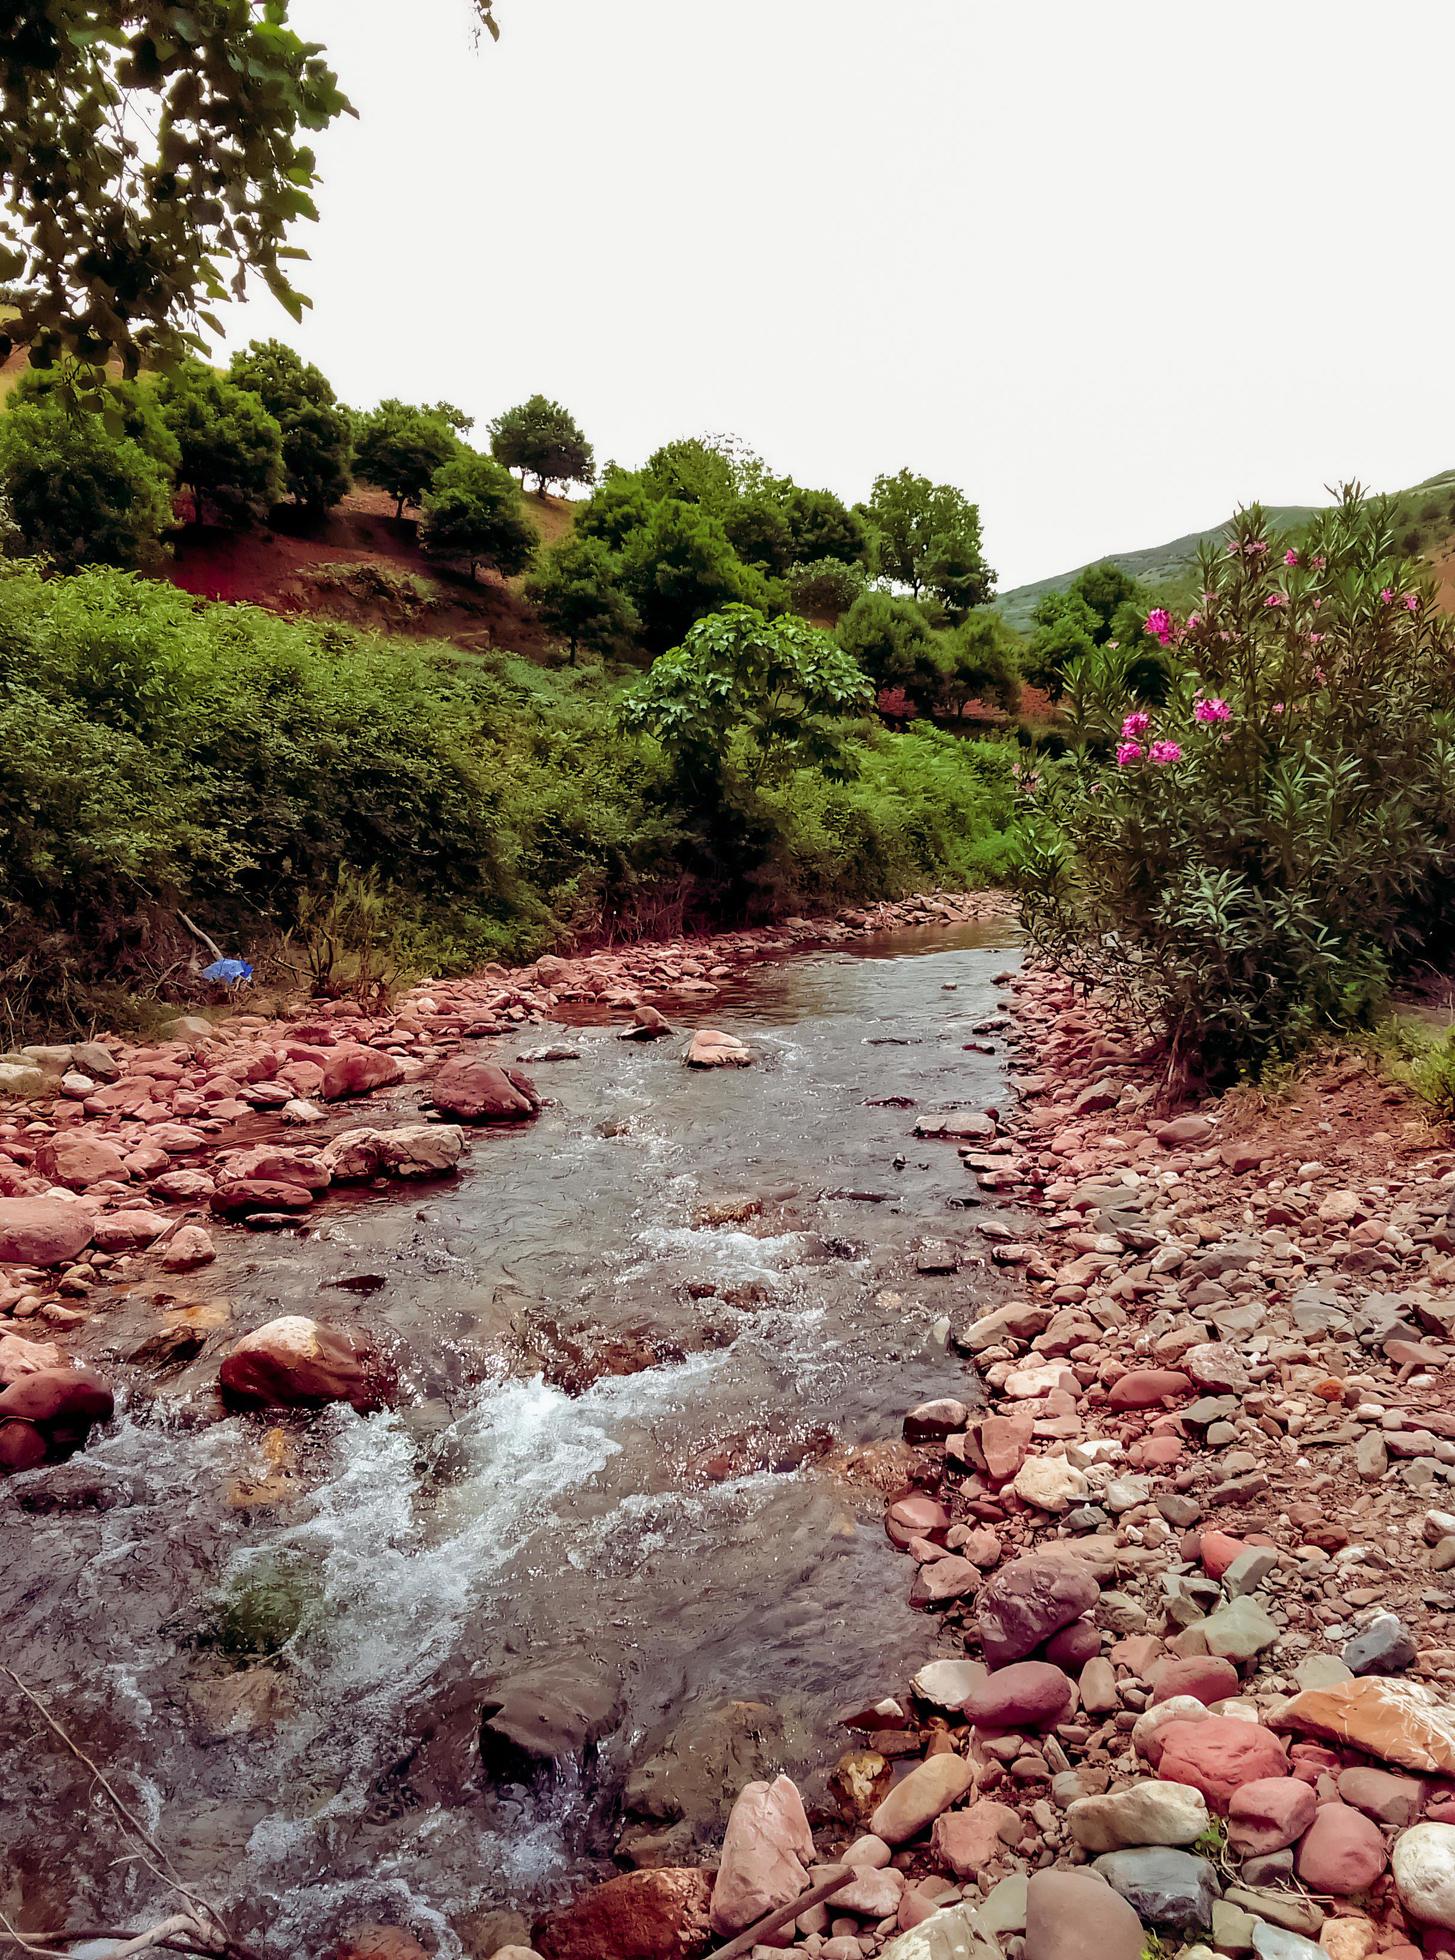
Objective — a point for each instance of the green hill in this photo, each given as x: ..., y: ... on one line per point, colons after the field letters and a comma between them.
x: 1424, y: 520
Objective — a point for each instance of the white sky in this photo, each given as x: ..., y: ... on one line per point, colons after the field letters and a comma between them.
x: 1109, y: 265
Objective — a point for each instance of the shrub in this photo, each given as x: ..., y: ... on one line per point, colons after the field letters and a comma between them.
x: 824, y: 588
x: 231, y: 448
x: 398, y: 448
x: 78, y: 494
x: 473, y: 512
x: 1255, y: 859
x: 318, y: 436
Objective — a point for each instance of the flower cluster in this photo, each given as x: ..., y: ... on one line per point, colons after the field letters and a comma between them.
x: 1160, y: 752
x: 1159, y: 625
x: 1164, y: 752
x: 1215, y: 709
x: 1135, y: 724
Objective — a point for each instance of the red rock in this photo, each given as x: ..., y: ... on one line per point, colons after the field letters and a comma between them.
x: 259, y: 1194
x: 915, y: 1516
x: 1217, y: 1550
x: 1206, y: 1677
x: 190, y: 1246
x: 1342, y: 1853
x: 353, y: 1071
x: 19, y: 1357
x: 1269, y: 1814
x: 1157, y: 1452
x: 766, y: 1850
x: 294, y: 1360
x: 1220, y: 1754
x: 22, y: 1447
x: 1143, y: 1388
x: 944, y: 1578
x: 1027, y: 1694
x: 1073, y: 1914
x: 80, y: 1161
x: 128, y: 1231
x: 1388, y: 1799
x: 274, y: 1163
x: 58, y: 1395
x: 932, y: 1422
x: 42, y: 1231
x: 648, y: 1915
x: 1074, y: 1646
x: 1183, y: 1130
x: 478, y: 1091
x: 967, y: 1840
x: 1398, y: 1720
x: 1028, y: 1600
x: 1004, y: 1441
x: 181, y: 1187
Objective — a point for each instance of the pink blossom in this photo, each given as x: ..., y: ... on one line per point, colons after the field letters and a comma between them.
x: 1161, y: 752
x: 1277, y: 708
x: 1135, y: 725
x: 1386, y: 597
x: 1319, y: 675
x: 1257, y: 547
x: 1320, y: 561
x: 1290, y: 557
x: 1214, y: 710
x: 1159, y: 624
x: 1314, y: 639
x: 1411, y: 602
x: 1274, y: 599
x: 1194, y: 619
x: 1129, y: 752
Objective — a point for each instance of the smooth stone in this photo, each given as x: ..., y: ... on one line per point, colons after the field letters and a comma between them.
x: 914, y: 1804
x: 1151, y: 1812
x: 1170, y: 1888
x: 1070, y: 1914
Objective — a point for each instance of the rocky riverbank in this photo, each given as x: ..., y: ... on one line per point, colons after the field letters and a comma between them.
x: 1190, y: 1559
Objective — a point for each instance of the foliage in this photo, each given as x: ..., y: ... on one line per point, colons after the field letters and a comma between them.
x: 127, y: 408
x: 144, y: 144
x: 678, y: 567
x: 744, y: 690
x: 621, y: 505
x: 891, y: 640
x: 692, y: 471
x: 927, y: 536
x: 982, y: 663
x: 1102, y: 606
x: 231, y: 448
x: 578, y: 594
x: 399, y: 447
x: 75, y: 493
x: 318, y: 436
x: 472, y: 511
x: 824, y: 588
x: 1259, y: 857
x: 822, y: 526
x: 758, y: 530
x: 542, y: 437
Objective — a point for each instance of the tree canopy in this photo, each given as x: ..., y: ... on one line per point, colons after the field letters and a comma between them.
x: 77, y: 493
x: 927, y: 536
x: 544, y: 439
x: 318, y: 436
x: 472, y: 512
x: 231, y: 448
x: 153, y: 154
x: 399, y: 447
x: 576, y: 591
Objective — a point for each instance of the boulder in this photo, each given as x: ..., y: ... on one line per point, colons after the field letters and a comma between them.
x: 766, y: 1850
x: 1071, y: 1914
x: 913, y: 1805
x: 1170, y: 1888
x: 1219, y: 1754
x: 1028, y: 1600
x: 250, y: 1194
x: 78, y: 1162
x: 649, y: 1025
x: 711, y: 1048
x: 1424, y: 1874
x: 1397, y: 1720
x: 1269, y: 1813
x: 352, y: 1070
x: 1152, y: 1812
x: 554, y: 1713
x: 274, y: 1163
x: 1027, y: 1694
x: 47, y: 1414
x: 476, y: 1090
x: 296, y: 1361
x: 1343, y: 1852
x: 43, y: 1231
x: 190, y: 1246
x: 414, y: 1150
x: 128, y: 1231
x: 649, y: 1915
x: 18, y: 1357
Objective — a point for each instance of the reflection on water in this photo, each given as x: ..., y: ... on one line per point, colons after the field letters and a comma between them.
x: 629, y: 1335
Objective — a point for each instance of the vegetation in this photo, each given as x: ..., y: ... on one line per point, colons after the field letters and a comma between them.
x: 472, y: 512
x: 399, y: 448
x: 544, y: 439
x: 577, y: 594
x: 231, y: 449
x: 1261, y: 855
x: 1103, y: 606
x: 927, y: 536
x: 75, y: 493
x: 318, y: 435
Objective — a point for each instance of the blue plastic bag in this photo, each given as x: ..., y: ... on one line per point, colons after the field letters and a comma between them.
x: 231, y: 972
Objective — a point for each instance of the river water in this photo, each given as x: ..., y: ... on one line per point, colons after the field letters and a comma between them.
x: 644, y: 1344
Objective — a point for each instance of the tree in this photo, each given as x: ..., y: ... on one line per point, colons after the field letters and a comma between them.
x: 693, y: 471
x: 232, y: 449
x: 958, y: 576
x: 758, y: 529
x: 76, y: 493
x: 765, y: 696
x: 144, y: 144
x: 399, y: 448
x: 472, y: 511
x: 679, y: 566
x: 1102, y: 607
x: 913, y: 524
x: 578, y: 593
x: 543, y: 438
x: 824, y: 588
x: 981, y: 664
x: 890, y: 639
x: 318, y: 436
x: 823, y: 526
x: 128, y: 408
x: 1065, y: 630
x: 622, y: 504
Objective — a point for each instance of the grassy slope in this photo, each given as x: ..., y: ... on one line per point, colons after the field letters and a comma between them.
x: 1424, y: 515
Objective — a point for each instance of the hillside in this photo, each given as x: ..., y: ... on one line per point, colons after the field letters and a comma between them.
x: 1424, y: 518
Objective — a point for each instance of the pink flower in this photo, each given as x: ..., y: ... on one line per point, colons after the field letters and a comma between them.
x: 1129, y: 752
x: 1319, y: 675
x: 1135, y: 725
x: 1386, y: 597
x: 1162, y: 752
x: 1159, y: 624
x: 1194, y: 619
x: 1214, y: 710
x: 1314, y: 638
x: 1274, y: 599
x: 1411, y: 602
x: 1320, y: 561
x: 1290, y: 557
x: 1257, y: 547
x: 1277, y: 708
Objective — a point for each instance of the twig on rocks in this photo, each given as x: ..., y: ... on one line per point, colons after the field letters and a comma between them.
x: 780, y: 1916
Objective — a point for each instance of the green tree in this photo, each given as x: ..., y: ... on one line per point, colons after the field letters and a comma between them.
x: 758, y: 530
x: 824, y: 588
x: 472, y: 512
x: 1065, y: 629
x: 76, y: 493
x: 577, y: 592
x: 679, y: 566
x: 545, y: 439
x: 398, y: 448
x: 743, y: 691
x: 693, y: 471
x: 129, y: 408
x: 145, y: 145
x: 620, y: 505
x: 318, y: 436
x: 890, y: 638
x: 232, y: 449
x: 958, y: 576
x: 917, y: 526
x: 823, y: 526
x: 981, y: 663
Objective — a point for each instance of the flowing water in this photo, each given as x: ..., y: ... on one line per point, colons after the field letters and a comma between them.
x: 639, y: 1342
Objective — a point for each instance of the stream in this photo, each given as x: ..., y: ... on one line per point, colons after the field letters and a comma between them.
x: 655, y: 1350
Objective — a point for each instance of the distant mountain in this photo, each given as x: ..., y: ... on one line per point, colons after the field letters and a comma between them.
x: 1424, y: 517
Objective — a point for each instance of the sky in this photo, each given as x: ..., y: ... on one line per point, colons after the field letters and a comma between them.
x: 1111, y: 268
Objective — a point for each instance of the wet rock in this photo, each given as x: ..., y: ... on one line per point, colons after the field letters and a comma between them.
x: 933, y: 1421
x: 684, y: 1787
x: 712, y: 1048
x: 859, y: 1782
x: 414, y: 1150
x: 1218, y: 1755
x: 353, y: 1070
x: 297, y: 1361
x: 1424, y: 1874
x: 1071, y: 1914
x: 1397, y: 1720
x: 554, y: 1713
x: 655, y: 1915
x: 42, y: 1231
x: 1028, y: 1600
x: 19, y: 1357
x: 190, y: 1246
x: 1384, y: 1647
x: 476, y: 1090
x: 1269, y: 1813
x: 649, y: 1025
x: 914, y: 1804
x: 1170, y: 1888
x: 1343, y: 1851
x: 1152, y: 1812
x: 47, y: 1415
x: 943, y: 1684
x: 257, y: 1194
x: 80, y: 1161
x: 1027, y: 1694
x: 765, y: 1854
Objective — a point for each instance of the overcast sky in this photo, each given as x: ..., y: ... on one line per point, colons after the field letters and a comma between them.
x: 1111, y: 268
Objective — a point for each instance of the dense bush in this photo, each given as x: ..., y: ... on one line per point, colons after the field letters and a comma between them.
x: 76, y: 493
x: 318, y: 435
x: 231, y: 447
x: 473, y: 514
x: 1256, y: 858
x: 398, y: 447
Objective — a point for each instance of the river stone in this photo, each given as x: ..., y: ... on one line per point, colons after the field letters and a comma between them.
x: 1218, y: 1755
x: 1342, y: 1852
x: 1171, y: 1888
x: 1424, y: 1873
x: 1272, y: 1942
x: 766, y: 1850
x: 943, y: 1684
x: 1238, y: 1630
x: 43, y: 1231
x: 933, y: 1421
x: 352, y: 1070
x: 1152, y: 1812
x: 1388, y: 1799
x: 1050, y: 1483
x: 49, y: 1413
x: 22, y: 1079
x: 913, y: 1805
x: 477, y: 1090
x: 1385, y: 1646
x: 295, y: 1361
x: 1206, y: 1677
x: 1286, y: 1909
x: 942, y: 1579
x: 649, y: 1915
x: 553, y: 1713
x: 1397, y: 1720
x: 1027, y: 1694
x: 1070, y: 1914
x: 80, y: 1161
x: 951, y: 1934
x: 413, y: 1150
x: 691, y: 1772
x: 712, y: 1048
x: 1028, y: 1600
x: 967, y: 1840
x: 1269, y: 1813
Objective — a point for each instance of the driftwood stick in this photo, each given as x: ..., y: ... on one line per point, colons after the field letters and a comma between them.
x: 197, y: 932
x: 837, y: 1879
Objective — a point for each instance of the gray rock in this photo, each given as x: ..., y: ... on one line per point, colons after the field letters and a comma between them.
x: 1371, y: 1458
x: 1248, y: 1571
x: 1386, y: 1646
x: 1170, y: 1888
x: 1238, y: 1630
x: 1278, y: 1943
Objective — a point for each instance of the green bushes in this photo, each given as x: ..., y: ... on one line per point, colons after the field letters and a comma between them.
x: 1258, y: 857
x: 159, y: 753
x: 77, y: 494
